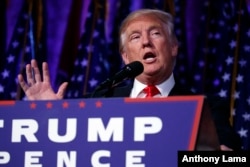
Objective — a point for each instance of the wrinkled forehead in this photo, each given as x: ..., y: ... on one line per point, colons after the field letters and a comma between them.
x: 140, y: 22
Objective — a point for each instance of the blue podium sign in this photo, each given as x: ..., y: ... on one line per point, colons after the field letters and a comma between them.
x: 105, y: 132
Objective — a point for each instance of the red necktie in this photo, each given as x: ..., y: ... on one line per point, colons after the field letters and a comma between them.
x: 151, y: 91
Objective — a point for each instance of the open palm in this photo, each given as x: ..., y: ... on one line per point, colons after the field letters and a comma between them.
x: 37, y: 89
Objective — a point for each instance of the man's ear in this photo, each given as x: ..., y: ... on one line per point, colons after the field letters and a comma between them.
x: 175, y: 50
x: 125, y: 57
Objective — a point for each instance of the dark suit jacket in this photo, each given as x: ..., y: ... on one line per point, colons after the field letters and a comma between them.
x: 214, y: 129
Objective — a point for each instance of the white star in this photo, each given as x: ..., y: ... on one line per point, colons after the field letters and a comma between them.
x: 248, y: 33
x: 248, y: 100
x: 214, y: 50
x: 223, y: 93
x: 13, y: 94
x: 232, y: 44
x: 203, y: 17
x: 216, y: 82
x: 80, y: 78
x: 1, y: 89
x: 243, y: 132
x: 229, y: 60
x: 201, y: 63
x: 236, y: 28
x: 96, y: 34
x: 217, y: 36
x: 76, y: 62
x: 73, y: 78
x: 197, y: 77
x: 5, y: 73
x: 226, y: 77
x: 239, y: 78
x: 25, y: 98
x: 246, y: 116
x: 89, y: 14
x: 27, y: 49
x: 193, y: 90
x: 76, y: 93
x: 242, y: 63
x: 221, y: 23
x: 89, y: 48
x: 84, y: 63
x: 233, y: 112
x: 236, y: 95
x: 15, y: 44
x: 69, y: 94
x: 10, y: 58
x: 98, y: 69
x: 247, y: 48
x: 93, y: 82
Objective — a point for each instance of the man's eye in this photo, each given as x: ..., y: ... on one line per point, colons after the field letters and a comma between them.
x: 156, y: 33
x: 135, y: 37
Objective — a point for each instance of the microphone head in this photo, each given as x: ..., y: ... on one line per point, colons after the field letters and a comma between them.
x: 133, y: 69
x: 130, y: 70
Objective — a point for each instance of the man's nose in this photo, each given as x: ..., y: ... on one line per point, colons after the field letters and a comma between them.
x: 146, y: 42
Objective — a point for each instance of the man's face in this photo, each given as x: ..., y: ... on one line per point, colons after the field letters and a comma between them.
x: 146, y: 40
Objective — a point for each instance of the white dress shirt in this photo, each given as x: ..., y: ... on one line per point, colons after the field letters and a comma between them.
x: 164, y: 88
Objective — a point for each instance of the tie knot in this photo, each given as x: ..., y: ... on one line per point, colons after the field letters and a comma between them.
x: 151, y: 91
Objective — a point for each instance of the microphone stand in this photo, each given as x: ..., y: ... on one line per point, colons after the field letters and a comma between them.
x: 106, y: 93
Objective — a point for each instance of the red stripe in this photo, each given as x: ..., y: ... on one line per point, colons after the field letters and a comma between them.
x: 7, y: 103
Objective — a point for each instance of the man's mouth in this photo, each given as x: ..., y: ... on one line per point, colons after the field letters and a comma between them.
x: 149, y: 56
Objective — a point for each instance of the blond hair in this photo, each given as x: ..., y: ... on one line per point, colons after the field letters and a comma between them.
x: 164, y: 17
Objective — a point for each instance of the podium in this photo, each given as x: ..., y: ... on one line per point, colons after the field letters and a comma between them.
x: 99, y: 132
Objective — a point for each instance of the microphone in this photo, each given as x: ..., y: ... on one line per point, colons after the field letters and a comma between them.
x: 131, y: 70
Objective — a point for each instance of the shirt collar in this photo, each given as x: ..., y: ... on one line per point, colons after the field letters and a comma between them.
x: 164, y: 87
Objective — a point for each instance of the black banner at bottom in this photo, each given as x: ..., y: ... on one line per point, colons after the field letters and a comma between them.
x: 213, y: 158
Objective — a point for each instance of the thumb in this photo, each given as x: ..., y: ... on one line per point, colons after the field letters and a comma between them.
x: 61, y: 90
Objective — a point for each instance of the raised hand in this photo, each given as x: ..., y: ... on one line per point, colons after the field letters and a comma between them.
x: 37, y: 87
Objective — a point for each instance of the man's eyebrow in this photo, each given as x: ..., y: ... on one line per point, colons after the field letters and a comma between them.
x: 155, y: 27
x: 133, y: 32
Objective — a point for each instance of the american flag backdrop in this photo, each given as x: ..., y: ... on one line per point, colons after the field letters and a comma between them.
x: 219, y: 64
x: 182, y: 66
x: 222, y: 58
x: 2, y: 29
x: 91, y: 64
x: 24, y: 46
x: 240, y: 78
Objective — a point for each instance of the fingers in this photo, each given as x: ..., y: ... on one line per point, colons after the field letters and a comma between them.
x: 33, y: 73
x: 36, y: 71
x: 62, y: 90
x: 46, y: 76
x: 22, y: 83
x: 29, y: 75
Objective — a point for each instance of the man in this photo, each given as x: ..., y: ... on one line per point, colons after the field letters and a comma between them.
x: 145, y: 35
x: 143, y: 38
